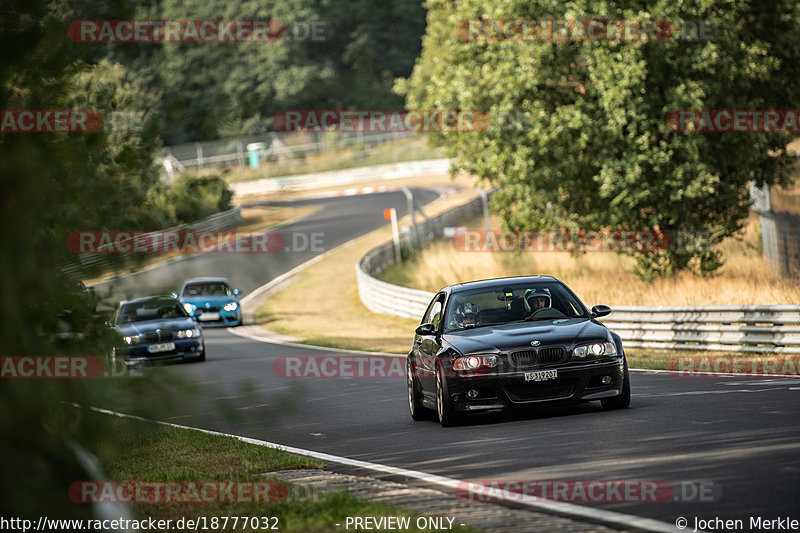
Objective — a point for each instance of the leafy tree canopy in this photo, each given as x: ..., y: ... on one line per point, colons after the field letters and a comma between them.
x: 579, y: 135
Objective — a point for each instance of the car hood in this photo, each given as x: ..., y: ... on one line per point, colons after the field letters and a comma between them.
x: 519, y: 335
x: 202, y: 301
x: 150, y: 326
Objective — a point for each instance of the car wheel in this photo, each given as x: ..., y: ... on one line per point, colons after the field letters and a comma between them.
x: 415, y: 406
x: 624, y: 399
x: 444, y: 405
x: 202, y: 354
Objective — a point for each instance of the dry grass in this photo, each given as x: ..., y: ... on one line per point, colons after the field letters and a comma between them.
x: 787, y: 198
x: 607, y: 278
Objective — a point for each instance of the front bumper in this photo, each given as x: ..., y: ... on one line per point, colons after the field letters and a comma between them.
x: 509, y: 390
x: 226, y: 318
x: 184, y: 349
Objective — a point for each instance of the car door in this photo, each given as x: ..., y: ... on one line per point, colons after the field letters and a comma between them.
x: 426, y: 346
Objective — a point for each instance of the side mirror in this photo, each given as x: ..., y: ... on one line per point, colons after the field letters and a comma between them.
x: 174, y: 294
x: 237, y: 292
x: 600, y: 310
x: 425, y: 329
x: 109, y: 323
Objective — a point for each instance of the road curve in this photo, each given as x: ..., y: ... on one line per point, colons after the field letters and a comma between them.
x: 737, y: 435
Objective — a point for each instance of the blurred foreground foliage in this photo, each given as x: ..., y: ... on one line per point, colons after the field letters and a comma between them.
x: 578, y: 135
x: 52, y: 184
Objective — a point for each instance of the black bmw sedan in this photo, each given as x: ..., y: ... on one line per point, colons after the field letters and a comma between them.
x: 511, y: 343
x: 156, y: 328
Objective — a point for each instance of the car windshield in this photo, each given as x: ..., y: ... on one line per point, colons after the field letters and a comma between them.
x: 215, y: 288
x: 503, y: 304
x: 149, y: 310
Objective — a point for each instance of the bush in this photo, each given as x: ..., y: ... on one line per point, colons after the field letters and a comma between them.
x: 190, y: 198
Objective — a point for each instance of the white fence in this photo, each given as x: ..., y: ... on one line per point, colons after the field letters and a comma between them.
x: 278, y: 145
x: 342, y: 177
x: 749, y: 328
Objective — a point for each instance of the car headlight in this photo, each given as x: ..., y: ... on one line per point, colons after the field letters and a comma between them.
x: 189, y: 308
x: 231, y: 306
x: 597, y: 349
x: 132, y: 339
x: 475, y: 361
x: 188, y: 333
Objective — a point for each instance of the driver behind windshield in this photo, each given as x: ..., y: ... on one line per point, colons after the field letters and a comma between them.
x: 467, y: 315
x: 535, y: 300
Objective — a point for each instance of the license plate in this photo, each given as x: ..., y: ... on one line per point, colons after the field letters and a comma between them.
x: 209, y: 316
x: 542, y: 375
x: 163, y: 347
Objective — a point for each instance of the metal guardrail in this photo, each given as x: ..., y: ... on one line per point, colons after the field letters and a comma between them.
x: 749, y: 328
x: 98, y: 260
x: 381, y: 297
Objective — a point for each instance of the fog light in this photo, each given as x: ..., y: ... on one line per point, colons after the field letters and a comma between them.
x: 606, y: 380
x: 472, y: 394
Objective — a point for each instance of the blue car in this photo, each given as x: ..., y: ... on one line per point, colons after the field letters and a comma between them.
x: 212, y: 300
x: 156, y: 328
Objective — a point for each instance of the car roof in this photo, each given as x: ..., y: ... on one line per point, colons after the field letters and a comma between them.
x: 206, y: 279
x: 147, y: 299
x: 493, y: 282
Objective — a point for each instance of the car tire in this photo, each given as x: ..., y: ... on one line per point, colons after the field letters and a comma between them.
x: 202, y: 354
x: 624, y: 399
x: 448, y: 416
x: 415, y: 407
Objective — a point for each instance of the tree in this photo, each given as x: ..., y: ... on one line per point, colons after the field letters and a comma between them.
x: 579, y: 136
x: 212, y: 90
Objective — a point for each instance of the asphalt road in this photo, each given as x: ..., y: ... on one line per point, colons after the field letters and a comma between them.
x: 738, y: 438
x: 338, y: 220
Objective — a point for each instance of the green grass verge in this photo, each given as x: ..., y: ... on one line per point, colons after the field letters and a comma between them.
x: 144, y: 451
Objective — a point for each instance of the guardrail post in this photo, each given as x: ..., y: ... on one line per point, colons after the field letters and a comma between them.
x: 411, y: 214
x: 485, y: 201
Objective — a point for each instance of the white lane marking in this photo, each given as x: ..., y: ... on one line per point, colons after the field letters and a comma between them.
x: 698, y: 392
x: 310, y: 346
x: 711, y: 375
x: 562, y: 508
